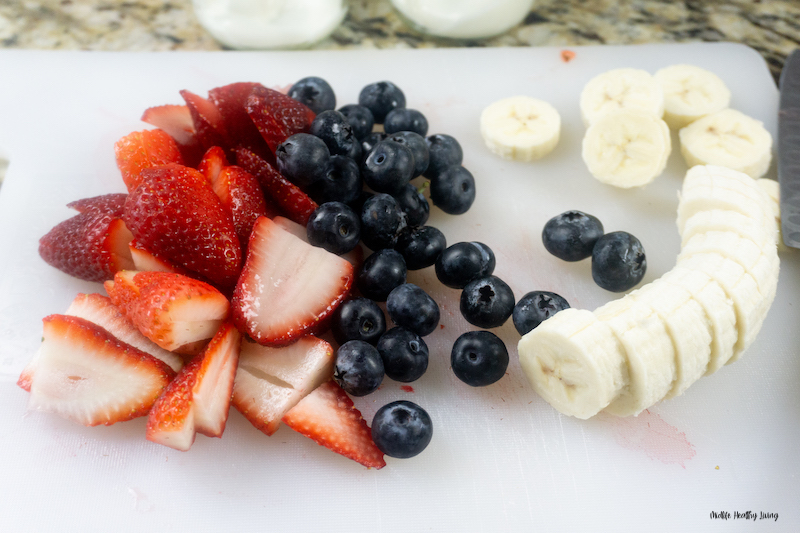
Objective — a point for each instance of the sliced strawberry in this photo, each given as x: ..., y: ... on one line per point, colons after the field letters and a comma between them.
x: 277, y: 116
x: 176, y: 120
x: 92, y: 245
x: 230, y: 100
x: 292, y: 201
x: 328, y: 416
x: 145, y: 260
x: 240, y: 194
x: 26, y: 377
x: 99, y: 310
x: 175, y: 214
x: 87, y: 375
x: 270, y: 381
x: 207, y: 119
x: 288, y: 287
x: 355, y: 256
x: 144, y: 149
x: 199, y: 398
x: 112, y: 204
x: 169, y: 309
x: 214, y: 160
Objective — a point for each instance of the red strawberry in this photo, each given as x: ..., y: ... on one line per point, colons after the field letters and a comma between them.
x: 145, y: 260
x: 169, y: 309
x: 207, y: 119
x: 288, y: 287
x: 240, y: 194
x: 175, y: 214
x: 199, y: 398
x: 92, y: 245
x: 99, y: 310
x: 329, y: 417
x: 355, y: 256
x: 113, y: 204
x: 214, y: 160
x: 230, y: 100
x: 85, y: 374
x: 292, y: 201
x: 270, y: 381
x: 144, y: 149
x: 277, y: 116
x: 176, y: 120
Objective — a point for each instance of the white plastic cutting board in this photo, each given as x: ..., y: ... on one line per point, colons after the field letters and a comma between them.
x: 501, y: 459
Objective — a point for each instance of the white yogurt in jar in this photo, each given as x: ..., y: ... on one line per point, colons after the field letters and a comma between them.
x: 260, y: 24
x: 464, y: 19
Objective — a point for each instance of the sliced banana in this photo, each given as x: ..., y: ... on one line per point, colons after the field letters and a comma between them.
x: 729, y: 221
x: 690, y: 93
x: 574, y: 362
x: 728, y: 138
x: 520, y: 128
x: 772, y: 188
x: 627, y: 149
x: 648, y: 350
x: 623, y: 89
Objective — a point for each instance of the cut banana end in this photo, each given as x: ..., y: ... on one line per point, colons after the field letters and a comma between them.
x: 730, y: 139
x: 627, y: 149
x: 690, y: 93
x: 520, y: 128
x: 623, y: 89
x: 648, y: 350
x: 574, y: 362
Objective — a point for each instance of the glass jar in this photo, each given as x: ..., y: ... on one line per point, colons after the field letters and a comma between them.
x: 463, y: 19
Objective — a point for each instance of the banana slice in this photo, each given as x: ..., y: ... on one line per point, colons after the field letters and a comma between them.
x: 728, y: 221
x: 730, y: 139
x: 574, y: 362
x: 689, y: 329
x: 648, y: 350
x: 623, y: 89
x: 718, y: 308
x: 772, y: 188
x: 626, y: 149
x: 520, y: 128
x: 690, y: 93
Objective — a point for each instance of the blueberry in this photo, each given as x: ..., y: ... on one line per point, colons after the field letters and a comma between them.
x: 314, y: 92
x: 381, y: 222
x: 302, y: 158
x: 380, y: 273
x: 369, y: 142
x: 358, y: 368
x: 479, y: 358
x: 414, y: 205
x: 420, y: 246
x: 337, y: 134
x: 453, y: 190
x: 404, y: 119
x: 358, y: 319
x: 444, y: 152
x: 618, y: 261
x: 402, y: 429
x: 487, y: 302
x: 334, y: 227
x: 536, y: 307
x: 463, y: 262
x: 360, y: 119
x: 419, y: 149
x: 412, y: 308
x: 340, y: 183
x: 380, y: 98
x: 571, y: 236
x: 404, y: 354
x: 389, y: 167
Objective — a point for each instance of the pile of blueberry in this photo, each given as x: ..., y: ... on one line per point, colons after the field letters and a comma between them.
x: 618, y: 259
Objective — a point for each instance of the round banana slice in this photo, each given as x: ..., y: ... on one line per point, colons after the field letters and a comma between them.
x: 728, y: 138
x: 574, y: 362
x: 622, y: 89
x: 690, y: 93
x: 627, y: 149
x: 520, y: 128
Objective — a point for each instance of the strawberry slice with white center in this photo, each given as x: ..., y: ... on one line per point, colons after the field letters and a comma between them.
x: 354, y: 256
x: 198, y: 399
x: 214, y: 160
x: 169, y: 309
x: 327, y: 415
x: 270, y: 381
x: 85, y: 374
x: 148, y: 261
x: 288, y: 287
x: 177, y: 121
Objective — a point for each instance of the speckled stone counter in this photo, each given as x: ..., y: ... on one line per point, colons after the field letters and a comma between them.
x: 770, y: 26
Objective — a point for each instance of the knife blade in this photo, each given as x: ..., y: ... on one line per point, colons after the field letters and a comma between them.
x: 789, y: 150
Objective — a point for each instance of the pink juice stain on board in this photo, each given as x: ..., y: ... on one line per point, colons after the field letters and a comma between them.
x: 650, y: 434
